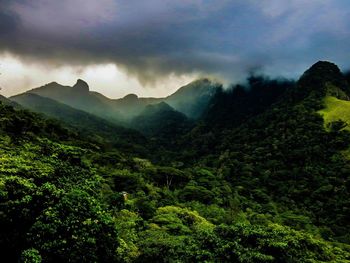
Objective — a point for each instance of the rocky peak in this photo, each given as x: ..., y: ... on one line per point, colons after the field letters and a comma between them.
x: 130, y: 97
x: 81, y: 85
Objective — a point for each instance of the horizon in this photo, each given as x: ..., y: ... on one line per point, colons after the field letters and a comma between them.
x: 213, y: 80
x: 91, y: 89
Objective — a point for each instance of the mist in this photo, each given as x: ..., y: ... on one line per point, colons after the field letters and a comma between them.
x: 169, y: 43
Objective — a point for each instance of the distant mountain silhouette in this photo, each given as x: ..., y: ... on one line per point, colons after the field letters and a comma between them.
x: 81, y: 98
x: 162, y: 121
x: 87, y: 123
x: 131, y: 105
x: 7, y: 101
x: 4, y: 99
x: 191, y: 100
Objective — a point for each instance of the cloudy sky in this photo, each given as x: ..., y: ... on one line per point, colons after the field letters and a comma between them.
x: 152, y: 47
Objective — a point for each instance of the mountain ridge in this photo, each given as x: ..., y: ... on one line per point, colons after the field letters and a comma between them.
x: 88, y: 124
x: 79, y: 97
x: 162, y: 121
x: 194, y: 97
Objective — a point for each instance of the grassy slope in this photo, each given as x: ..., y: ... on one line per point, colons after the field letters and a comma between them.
x: 336, y: 109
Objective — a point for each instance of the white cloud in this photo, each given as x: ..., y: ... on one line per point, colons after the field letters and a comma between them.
x: 18, y: 76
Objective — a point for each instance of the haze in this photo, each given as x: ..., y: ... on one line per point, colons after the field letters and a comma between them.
x: 153, y: 47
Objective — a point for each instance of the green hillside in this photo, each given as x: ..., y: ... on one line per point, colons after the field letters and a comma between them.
x: 335, y: 110
x: 161, y: 120
x: 193, y: 99
x: 91, y: 126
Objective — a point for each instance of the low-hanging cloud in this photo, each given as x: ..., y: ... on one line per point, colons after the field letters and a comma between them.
x: 156, y: 38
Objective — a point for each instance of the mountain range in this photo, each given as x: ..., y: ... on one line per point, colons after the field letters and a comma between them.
x: 190, y: 100
x: 258, y: 172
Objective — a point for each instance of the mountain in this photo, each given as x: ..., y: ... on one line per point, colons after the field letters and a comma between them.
x: 233, y: 106
x: 131, y: 105
x: 7, y: 101
x: 193, y: 98
x: 161, y: 121
x: 282, y: 156
x: 4, y: 99
x: 190, y: 100
x: 324, y: 78
x: 90, y: 125
x: 79, y: 97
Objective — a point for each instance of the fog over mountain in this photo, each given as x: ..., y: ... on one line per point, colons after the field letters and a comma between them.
x: 168, y: 44
x: 190, y: 100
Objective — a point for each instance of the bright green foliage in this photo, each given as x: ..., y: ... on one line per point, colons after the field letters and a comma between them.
x: 86, y: 231
x: 48, y: 199
x: 272, y: 243
x: 128, y: 224
x: 168, y: 233
x: 30, y: 256
x: 336, y: 110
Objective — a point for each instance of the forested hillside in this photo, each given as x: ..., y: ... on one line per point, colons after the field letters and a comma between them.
x: 261, y: 176
x: 90, y: 126
x: 162, y: 123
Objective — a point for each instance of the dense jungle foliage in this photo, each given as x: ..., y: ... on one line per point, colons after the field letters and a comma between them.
x: 259, y: 178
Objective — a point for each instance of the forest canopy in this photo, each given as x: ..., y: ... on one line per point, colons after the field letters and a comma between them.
x: 261, y: 176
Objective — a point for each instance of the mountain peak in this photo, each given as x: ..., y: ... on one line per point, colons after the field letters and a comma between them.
x: 161, y: 106
x: 325, y: 69
x: 81, y: 85
x: 131, y: 97
x: 193, y: 98
x: 52, y: 84
x: 321, y: 77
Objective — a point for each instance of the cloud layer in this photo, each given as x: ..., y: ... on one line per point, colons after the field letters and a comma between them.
x: 157, y: 38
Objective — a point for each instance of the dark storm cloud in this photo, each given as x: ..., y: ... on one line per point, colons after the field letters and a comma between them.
x: 158, y: 37
x: 8, y: 21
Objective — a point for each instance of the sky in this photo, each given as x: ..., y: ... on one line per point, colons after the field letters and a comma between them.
x: 152, y: 47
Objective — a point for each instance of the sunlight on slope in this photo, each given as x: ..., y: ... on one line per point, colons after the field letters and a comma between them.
x: 336, y: 109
